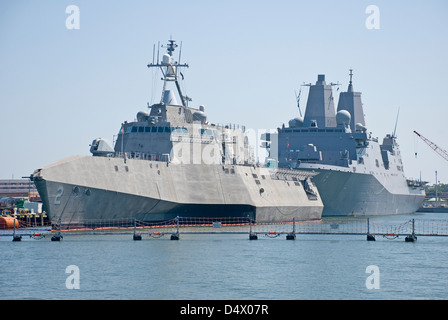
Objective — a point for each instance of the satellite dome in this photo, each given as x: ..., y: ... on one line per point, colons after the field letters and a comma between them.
x: 199, y: 116
x: 360, y: 127
x: 142, y: 116
x: 296, y: 122
x: 343, y: 117
x: 166, y: 59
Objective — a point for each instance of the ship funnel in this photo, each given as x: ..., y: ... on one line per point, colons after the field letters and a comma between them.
x: 169, y: 98
x: 320, y: 106
x: 351, y: 101
x: 320, y: 79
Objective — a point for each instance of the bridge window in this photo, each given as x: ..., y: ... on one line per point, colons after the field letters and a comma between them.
x: 206, y: 132
x: 179, y: 130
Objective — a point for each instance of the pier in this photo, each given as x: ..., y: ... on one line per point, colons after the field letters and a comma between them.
x: 176, y: 228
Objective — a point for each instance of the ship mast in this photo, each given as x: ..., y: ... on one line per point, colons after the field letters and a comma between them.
x: 170, y: 69
x: 350, y: 85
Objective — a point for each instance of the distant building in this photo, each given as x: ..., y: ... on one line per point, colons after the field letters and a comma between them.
x: 19, y: 188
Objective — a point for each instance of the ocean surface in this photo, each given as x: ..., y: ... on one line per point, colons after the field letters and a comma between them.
x: 230, y: 267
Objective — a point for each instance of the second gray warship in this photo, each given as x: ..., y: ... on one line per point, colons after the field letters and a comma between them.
x: 171, y: 161
x: 358, y: 175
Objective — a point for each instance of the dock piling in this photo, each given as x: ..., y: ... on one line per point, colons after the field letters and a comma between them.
x: 175, y: 236
x: 136, y: 236
x: 370, y: 237
x: 412, y: 237
x: 292, y: 235
x: 252, y: 235
x: 58, y: 236
x: 15, y: 237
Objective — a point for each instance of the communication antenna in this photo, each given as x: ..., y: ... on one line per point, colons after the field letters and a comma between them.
x: 396, y: 121
x: 298, y: 100
x: 180, y: 51
x: 153, y: 52
x: 170, y: 70
x: 158, y: 46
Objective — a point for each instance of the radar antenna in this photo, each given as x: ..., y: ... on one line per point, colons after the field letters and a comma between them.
x: 350, y: 84
x: 396, y: 121
x: 170, y: 69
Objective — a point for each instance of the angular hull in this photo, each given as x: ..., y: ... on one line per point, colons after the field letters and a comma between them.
x: 358, y: 175
x: 346, y: 193
x: 79, y: 188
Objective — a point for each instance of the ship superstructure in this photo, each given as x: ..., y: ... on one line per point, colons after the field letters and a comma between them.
x: 358, y: 175
x: 171, y: 161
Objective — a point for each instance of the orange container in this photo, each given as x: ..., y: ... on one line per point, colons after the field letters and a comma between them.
x: 8, y: 222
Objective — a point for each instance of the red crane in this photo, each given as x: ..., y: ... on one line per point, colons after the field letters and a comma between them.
x: 436, y: 148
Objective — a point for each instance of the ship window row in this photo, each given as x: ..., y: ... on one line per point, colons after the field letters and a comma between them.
x: 14, y: 183
x: 156, y: 129
x: 176, y: 130
x: 313, y: 130
x: 148, y: 129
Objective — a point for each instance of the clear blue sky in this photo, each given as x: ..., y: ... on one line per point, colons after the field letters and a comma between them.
x: 61, y: 88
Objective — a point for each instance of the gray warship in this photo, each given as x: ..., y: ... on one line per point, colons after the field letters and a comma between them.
x: 358, y: 175
x: 172, y: 162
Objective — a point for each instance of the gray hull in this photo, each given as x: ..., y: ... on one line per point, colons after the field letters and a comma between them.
x: 356, y: 194
x: 79, y: 188
x: 358, y: 174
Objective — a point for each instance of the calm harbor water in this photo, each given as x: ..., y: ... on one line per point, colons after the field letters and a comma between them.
x: 227, y: 267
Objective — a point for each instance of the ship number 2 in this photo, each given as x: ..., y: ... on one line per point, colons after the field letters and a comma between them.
x: 57, y: 199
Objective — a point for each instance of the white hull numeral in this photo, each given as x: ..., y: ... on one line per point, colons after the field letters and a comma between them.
x: 57, y: 199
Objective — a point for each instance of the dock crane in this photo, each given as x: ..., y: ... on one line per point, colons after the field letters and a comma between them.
x: 436, y: 148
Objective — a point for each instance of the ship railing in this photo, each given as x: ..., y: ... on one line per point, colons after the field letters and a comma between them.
x: 232, y: 126
x: 166, y: 157
x: 294, y: 175
x: 162, y: 157
x: 416, y: 183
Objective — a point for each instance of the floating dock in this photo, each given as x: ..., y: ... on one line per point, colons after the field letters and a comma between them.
x: 176, y: 228
x: 27, y: 219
